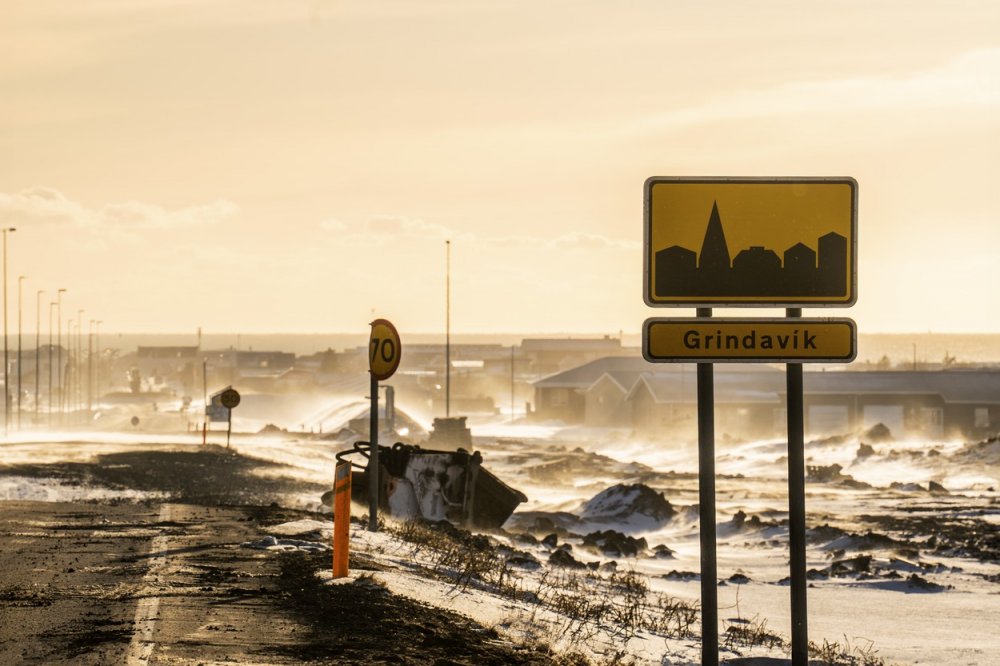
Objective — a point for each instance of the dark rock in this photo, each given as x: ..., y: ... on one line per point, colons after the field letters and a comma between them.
x: 824, y: 533
x: 935, y: 487
x: 614, y: 544
x: 681, y: 575
x: 523, y: 560
x: 853, y: 565
x: 622, y: 502
x: 865, y: 450
x: 551, y: 540
x: 562, y: 558
x: 878, y: 433
x: 739, y: 579
x: 922, y: 583
x: 662, y: 552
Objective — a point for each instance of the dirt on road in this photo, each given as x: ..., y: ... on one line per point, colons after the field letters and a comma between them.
x: 174, y: 583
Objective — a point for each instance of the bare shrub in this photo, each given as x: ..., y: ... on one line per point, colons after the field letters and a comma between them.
x: 846, y: 654
x: 753, y: 632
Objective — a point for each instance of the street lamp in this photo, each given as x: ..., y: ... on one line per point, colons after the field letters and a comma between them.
x: 59, y: 370
x: 51, y: 305
x: 90, y: 367
x: 20, y: 298
x: 38, y: 349
x: 97, y: 344
x: 78, y: 394
x: 6, y: 368
x: 70, y: 369
x: 447, y: 330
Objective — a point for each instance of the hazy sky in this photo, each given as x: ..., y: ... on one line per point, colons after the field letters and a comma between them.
x: 272, y: 165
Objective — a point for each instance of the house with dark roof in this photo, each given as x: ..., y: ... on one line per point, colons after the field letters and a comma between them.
x: 750, y: 399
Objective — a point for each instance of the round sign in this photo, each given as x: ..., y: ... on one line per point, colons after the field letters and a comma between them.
x: 384, y: 349
x: 230, y: 398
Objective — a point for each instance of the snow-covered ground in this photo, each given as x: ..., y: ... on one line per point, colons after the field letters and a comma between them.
x: 920, y: 598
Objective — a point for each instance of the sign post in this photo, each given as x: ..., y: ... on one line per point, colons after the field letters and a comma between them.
x: 219, y: 407
x: 229, y: 398
x: 384, y: 352
x: 797, y: 508
x: 706, y: 510
x: 714, y: 242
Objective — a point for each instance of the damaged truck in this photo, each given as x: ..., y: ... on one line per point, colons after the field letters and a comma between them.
x: 417, y: 483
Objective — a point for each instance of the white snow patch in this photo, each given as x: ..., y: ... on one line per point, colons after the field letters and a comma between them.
x: 53, y: 490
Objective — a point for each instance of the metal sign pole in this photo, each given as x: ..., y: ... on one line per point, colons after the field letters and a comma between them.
x: 706, y: 511
x: 229, y: 425
x: 797, y: 509
x: 373, y: 459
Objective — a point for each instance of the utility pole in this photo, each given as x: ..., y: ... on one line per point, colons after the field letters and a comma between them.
x: 512, y: 383
x: 97, y: 376
x: 59, y: 370
x: 447, y: 330
x: 6, y: 363
x: 78, y: 393
x: 20, y: 299
x: 38, y: 349
x: 90, y: 367
x: 51, y: 305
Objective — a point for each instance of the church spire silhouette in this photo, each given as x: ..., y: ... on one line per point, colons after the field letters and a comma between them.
x: 714, y: 251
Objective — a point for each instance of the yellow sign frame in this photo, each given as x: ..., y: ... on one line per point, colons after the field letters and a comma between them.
x: 749, y: 340
x: 740, y: 226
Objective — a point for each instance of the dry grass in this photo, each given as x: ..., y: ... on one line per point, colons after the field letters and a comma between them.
x: 619, y: 604
x: 861, y: 653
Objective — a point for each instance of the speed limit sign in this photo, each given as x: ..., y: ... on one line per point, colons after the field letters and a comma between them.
x: 384, y: 349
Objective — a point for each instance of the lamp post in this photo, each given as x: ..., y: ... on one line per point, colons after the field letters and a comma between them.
x: 6, y: 367
x: 447, y: 330
x: 20, y: 294
x: 38, y: 349
x: 78, y: 394
x: 90, y: 367
x: 59, y: 370
x: 70, y: 367
x: 51, y: 305
x: 97, y: 376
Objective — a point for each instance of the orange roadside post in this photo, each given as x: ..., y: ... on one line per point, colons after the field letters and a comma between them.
x: 341, y: 518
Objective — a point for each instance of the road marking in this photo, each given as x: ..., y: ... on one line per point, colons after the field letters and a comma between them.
x: 140, y: 649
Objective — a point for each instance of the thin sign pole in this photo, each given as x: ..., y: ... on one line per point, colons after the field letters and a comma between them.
x: 229, y: 425
x: 797, y: 509
x: 373, y: 459
x: 706, y: 511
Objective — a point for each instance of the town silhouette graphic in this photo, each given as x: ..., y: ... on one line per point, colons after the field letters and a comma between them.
x: 755, y: 271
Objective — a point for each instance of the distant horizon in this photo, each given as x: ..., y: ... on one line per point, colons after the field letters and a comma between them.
x: 562, y: 334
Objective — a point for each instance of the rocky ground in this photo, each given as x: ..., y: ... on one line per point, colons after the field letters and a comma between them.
x: 172, y: 581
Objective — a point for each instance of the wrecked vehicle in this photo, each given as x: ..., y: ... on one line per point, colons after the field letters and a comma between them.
x: 434, y: 485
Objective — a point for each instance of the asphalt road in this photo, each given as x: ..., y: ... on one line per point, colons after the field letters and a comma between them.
x: 170, y: 583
